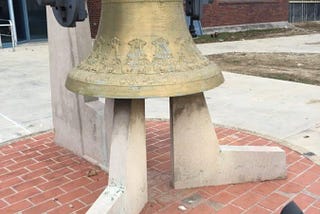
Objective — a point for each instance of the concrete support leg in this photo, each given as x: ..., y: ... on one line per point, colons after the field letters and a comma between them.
x: 127, y: 188
x: 197, y: 158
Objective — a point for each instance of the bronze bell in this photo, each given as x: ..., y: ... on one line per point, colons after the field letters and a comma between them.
x: 143, y: 49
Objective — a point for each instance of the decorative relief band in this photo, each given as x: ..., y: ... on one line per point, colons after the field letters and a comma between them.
x: 106, y: 58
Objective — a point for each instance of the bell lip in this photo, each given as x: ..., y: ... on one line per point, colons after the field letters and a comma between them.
x: 153, y: 91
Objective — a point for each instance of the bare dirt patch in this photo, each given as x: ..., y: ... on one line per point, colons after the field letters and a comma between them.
x: 303, y: 68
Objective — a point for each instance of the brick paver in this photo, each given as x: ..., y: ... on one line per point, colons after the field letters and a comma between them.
x: 37, y: 176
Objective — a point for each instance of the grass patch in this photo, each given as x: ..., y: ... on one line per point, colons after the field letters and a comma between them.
x: 236, y: 36
x: 296, y: 29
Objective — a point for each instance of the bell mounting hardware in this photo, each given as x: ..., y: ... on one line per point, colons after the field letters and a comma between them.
x: 67, y: 12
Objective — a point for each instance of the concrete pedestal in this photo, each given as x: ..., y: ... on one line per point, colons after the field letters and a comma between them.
x: 77, y: 120
x: 197, y: 158
x: 127, y: 188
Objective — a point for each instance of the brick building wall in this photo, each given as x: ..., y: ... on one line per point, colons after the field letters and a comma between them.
x: 94, y: 10
x: 236, y: 12
x: 221, y: 12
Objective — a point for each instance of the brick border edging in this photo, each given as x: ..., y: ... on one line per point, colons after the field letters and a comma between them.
x: 26, y: 136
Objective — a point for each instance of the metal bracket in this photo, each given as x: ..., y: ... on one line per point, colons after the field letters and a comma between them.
x: 67, y: 12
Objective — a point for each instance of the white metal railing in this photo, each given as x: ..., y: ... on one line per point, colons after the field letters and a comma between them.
x: 10, y: 25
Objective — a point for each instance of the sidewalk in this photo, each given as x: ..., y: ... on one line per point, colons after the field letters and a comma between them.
x: 293, y: 44
x: 278, y: 109
x: 24, y: 91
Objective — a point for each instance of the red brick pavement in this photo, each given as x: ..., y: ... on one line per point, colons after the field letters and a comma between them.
x: 37, y: 176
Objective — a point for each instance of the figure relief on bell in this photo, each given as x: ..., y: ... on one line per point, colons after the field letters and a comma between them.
x: 189, y: 57
x: 196, y: 54
x: 183, y: 59
x: 98, y: 59
x: 136, y: 58
x: 162, y: 59
x: 113, y: 61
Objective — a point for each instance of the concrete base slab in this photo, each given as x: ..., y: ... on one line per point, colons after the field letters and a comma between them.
x: 127, y: 189
x: 109, y: 201
x: 238, y: 164
x: 308, y: 140
x: 197, y: 158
